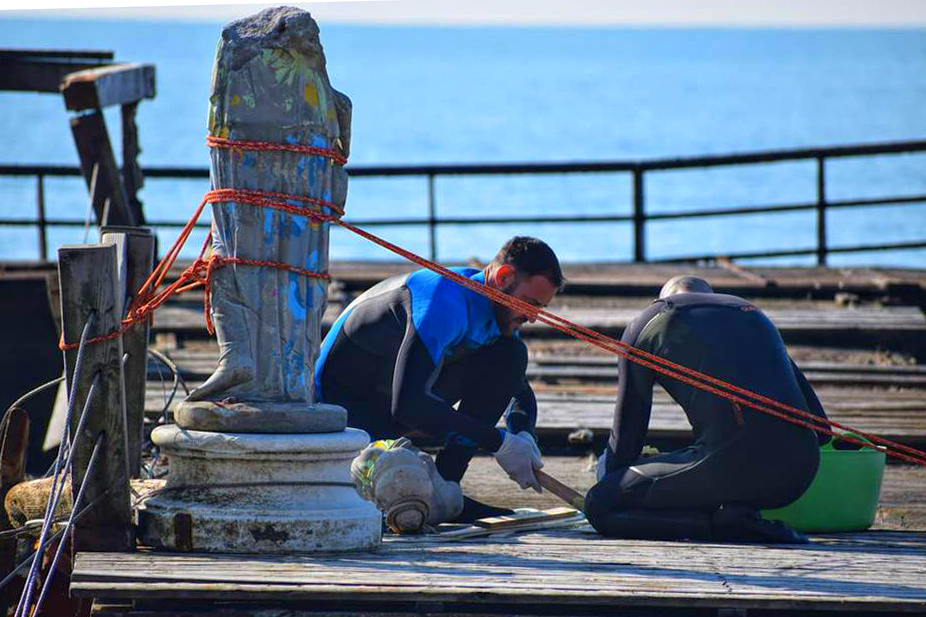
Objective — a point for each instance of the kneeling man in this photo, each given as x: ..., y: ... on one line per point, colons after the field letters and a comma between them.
x: 409, y: 348
x: 742, y: 459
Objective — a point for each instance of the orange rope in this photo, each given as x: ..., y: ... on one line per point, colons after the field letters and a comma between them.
x: 242, y: 144
x: 200, y: 273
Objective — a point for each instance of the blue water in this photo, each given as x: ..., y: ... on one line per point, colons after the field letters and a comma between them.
x: 441, y: 94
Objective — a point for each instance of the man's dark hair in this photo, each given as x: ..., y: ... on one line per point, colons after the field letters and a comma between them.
x: 531, y: 256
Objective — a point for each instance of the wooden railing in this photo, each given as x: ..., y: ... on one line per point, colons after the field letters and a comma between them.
x: 639, y: 216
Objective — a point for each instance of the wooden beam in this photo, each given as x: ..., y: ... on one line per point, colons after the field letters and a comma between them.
x: 94, y: 149
x: 63, y: 55
x: 92, y: 283
x: 567, y: 494
x: 112, y: 85
x: 28, y: 75
x: 132, y: 178
x: 138, y: 244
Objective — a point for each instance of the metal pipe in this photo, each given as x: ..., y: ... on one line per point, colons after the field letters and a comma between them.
x: 40, y: 204
x: 639, y: 217
x: 54, y: 498
x: 821, y: 211
x: 25, y: 563
x: 432, y: 219
x: 70, y: 524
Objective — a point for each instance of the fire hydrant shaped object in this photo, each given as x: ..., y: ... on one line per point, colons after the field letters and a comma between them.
x: 404, y: 483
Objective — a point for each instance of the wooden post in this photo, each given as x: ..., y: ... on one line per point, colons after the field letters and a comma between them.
x: 94, y: 148
x: 40, y: 204
x: 639, y: 217
x: 432, y: 219
x: 132, y: 178
x: 821, y: 211
x: 139, y: 252
x: 93, y: 282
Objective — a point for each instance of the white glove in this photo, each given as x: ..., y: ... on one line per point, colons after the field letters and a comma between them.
x: 519, y: 456
x: 534, y: 445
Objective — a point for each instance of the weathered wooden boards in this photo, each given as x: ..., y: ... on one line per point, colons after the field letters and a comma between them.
x: 196, y: 364
x: 887, y: 401
x: 880, y: 572
x: 645, y: 280
x: 900, y: 326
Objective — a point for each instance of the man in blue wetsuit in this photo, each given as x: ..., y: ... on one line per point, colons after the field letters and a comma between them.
x: 742, y: 459
x: 409, y: 348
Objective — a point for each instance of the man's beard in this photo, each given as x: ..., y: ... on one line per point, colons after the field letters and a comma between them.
x: 503, y: 314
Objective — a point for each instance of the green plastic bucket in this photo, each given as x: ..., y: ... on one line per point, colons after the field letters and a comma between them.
x: 843, y: 495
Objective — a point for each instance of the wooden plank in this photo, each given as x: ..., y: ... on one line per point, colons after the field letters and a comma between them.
x: 132, y: 178
x: 59, y: 54
x: 612, y: 375
x: 612, y: 360
x: 91, y: 283
x: 25, y: 74
x: 519, y: 518
x: 557, y: 569
x: 899, y: 320
x: 116, y: 84
x: 138, y: 244
x: 566, y: 493
x: 95, y: 151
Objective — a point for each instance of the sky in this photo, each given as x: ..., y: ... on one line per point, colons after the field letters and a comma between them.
x: 749, y: 13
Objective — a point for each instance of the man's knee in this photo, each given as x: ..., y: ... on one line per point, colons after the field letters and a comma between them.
x: 618, y: 490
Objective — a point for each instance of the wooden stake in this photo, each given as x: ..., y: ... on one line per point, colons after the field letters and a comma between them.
x: 138, y: 245
x: 567, y: 494
x: 91, y: 283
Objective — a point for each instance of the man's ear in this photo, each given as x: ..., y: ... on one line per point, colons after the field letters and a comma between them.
x: 504, y: 276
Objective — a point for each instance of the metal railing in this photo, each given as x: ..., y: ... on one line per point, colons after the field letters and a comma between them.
x: 639, y: 217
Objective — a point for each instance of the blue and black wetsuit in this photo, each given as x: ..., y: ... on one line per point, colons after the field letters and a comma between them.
x: 409, y: 348
x: 739, y: 456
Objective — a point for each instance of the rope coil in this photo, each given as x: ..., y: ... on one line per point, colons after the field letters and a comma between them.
x: 201, y: 271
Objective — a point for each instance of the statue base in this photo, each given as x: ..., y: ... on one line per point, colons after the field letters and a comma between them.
x: 260, y: 417
x: 259, y: 493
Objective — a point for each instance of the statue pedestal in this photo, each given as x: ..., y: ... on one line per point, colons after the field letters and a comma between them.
x: 259, y: 493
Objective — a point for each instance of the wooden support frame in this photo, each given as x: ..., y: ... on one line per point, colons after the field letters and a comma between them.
x: 117, y: 84
x: 132, y: 178
x: 138, y: 244
x: 93, y: 281
x: 98, y: 165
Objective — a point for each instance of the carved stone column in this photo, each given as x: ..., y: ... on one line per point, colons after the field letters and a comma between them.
x: 256, y: 464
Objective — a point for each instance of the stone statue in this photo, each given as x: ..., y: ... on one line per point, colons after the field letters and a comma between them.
x: 270, y: 84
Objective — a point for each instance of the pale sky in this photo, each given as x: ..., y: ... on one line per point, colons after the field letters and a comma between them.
x: 785, y: 13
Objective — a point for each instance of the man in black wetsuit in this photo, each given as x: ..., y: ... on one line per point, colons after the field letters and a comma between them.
x: 412, y: 346
x: 742, y: 459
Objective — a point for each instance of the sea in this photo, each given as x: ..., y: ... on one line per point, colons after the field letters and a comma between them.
x: 447, y: 94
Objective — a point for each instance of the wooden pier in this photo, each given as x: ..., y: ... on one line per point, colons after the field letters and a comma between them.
x: 552, y: 572
x: 859, y: 335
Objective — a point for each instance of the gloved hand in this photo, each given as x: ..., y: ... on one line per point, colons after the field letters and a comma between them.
x: 534, y: 445
x: 519, y: 457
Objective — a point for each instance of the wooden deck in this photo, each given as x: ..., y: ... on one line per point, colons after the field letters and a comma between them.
x: 558, y: 572
x: 860, y: 336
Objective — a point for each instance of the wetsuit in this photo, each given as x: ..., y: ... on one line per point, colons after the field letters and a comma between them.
x: 739, y: 456
x: 409, y: 348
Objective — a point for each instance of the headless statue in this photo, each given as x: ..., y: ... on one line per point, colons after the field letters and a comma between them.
x: 270, y: 84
